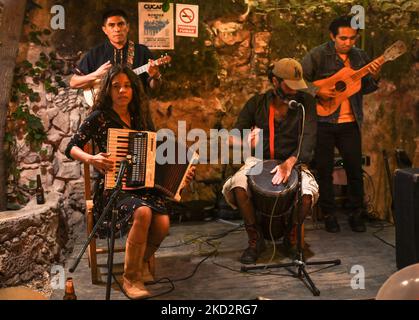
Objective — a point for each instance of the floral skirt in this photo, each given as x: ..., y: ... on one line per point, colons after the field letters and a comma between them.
x: 125, y: 205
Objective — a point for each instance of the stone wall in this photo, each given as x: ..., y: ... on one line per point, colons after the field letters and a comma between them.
x: 31, y: 241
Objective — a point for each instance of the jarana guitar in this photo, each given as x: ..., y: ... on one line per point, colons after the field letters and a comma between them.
x: 91, y: 93
x: 347, y: 81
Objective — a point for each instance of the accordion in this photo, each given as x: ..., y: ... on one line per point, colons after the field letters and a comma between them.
x: 140, y: 149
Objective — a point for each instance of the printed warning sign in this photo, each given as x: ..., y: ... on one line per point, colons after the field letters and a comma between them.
x: 187, y: 20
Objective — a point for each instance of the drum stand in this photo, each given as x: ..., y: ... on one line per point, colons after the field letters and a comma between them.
x: 299, y: 262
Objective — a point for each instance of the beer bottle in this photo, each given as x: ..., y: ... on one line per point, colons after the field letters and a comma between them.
x: 70, y: 294
x: 40, y: 199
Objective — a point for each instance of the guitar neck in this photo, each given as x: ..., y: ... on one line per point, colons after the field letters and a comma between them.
x: 364, y: 70
x: 141, y: 69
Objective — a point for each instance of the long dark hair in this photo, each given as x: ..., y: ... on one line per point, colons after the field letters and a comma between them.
x: 139, y: 105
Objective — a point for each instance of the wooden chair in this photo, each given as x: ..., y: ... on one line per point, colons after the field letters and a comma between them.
x: 93, y: 249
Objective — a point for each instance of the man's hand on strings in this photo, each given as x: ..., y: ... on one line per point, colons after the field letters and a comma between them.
x: 102, y: 70
x: 375, y: 69
x: 153, y: 70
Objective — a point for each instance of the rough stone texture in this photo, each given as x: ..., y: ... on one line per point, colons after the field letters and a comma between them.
x: 55, y: 136
x: 59, y: 185
x: 194, y: 112
x: 62, y: 122
x: 261, y: 42
x: 31, y: 241
x: 28, y: 176
x: 391, y: 116
x: 63, y: 145
x: 66, y: 170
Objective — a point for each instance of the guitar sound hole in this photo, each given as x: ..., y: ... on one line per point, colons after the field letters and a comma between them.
x: 340, y: 86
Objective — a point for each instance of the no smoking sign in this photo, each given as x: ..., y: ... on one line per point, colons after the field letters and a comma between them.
x: 187, y: 20
x: 187, y: 15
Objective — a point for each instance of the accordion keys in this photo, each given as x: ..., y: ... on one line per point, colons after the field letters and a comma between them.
x: 143, y: 171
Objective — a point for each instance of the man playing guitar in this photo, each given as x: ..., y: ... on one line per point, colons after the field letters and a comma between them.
x: 340, y: 127
x: 115, y: 50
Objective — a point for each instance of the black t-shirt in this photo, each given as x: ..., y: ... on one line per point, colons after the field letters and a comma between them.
x: 97, y: 56
x: 256, y: 113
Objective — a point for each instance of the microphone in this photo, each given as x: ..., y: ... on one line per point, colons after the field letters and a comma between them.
x: 121, y: 173
x: 292, y: 104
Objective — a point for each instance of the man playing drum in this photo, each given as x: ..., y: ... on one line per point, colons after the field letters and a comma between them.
x: 271, y: 112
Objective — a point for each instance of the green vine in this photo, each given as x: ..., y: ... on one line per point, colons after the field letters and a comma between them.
x: 22, y: 121
x: 35, y: 133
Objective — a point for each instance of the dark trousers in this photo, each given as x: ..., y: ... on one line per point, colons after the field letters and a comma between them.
x: 347, y: 139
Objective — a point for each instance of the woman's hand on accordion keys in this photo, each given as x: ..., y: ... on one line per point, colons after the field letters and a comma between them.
x: 101, y: 162
x: 283, y: 171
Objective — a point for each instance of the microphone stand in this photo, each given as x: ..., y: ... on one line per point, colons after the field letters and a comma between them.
x: 106, y: 210
x: 299, y: 261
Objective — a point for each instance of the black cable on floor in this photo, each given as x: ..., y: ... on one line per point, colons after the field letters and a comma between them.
x: 381, y: 228
x: 150, y: 297
x: 168, y: 280
x: 209, y: 237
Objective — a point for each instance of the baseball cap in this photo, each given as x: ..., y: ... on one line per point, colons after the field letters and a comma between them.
x: 291, y: 72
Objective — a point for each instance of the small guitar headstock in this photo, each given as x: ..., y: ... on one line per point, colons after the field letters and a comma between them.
x: 163, y: 60
x: 394, y: 51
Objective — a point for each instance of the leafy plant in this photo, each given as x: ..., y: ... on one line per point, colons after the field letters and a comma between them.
x: 35, y: 133
x: 22, y: 122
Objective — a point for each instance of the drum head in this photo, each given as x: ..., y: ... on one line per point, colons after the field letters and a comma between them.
x: 262, y: 183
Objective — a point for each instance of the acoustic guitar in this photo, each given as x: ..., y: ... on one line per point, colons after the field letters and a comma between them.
x: 91, y: 93
x: 347, y: 81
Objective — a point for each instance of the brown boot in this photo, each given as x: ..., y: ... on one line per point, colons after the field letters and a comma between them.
x: 149, y: 267
x: 256, y: 245
x: 133, y: 281
x: 148, y: 270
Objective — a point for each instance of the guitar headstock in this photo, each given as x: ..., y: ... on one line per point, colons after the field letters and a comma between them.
x: 394, y: 51
x: 166, y: 59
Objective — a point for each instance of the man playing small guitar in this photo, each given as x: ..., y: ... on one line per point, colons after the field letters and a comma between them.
x: 115, y: 50
x: 340, y: 128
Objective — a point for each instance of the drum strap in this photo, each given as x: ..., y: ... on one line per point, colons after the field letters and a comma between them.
x: 271, y: 131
